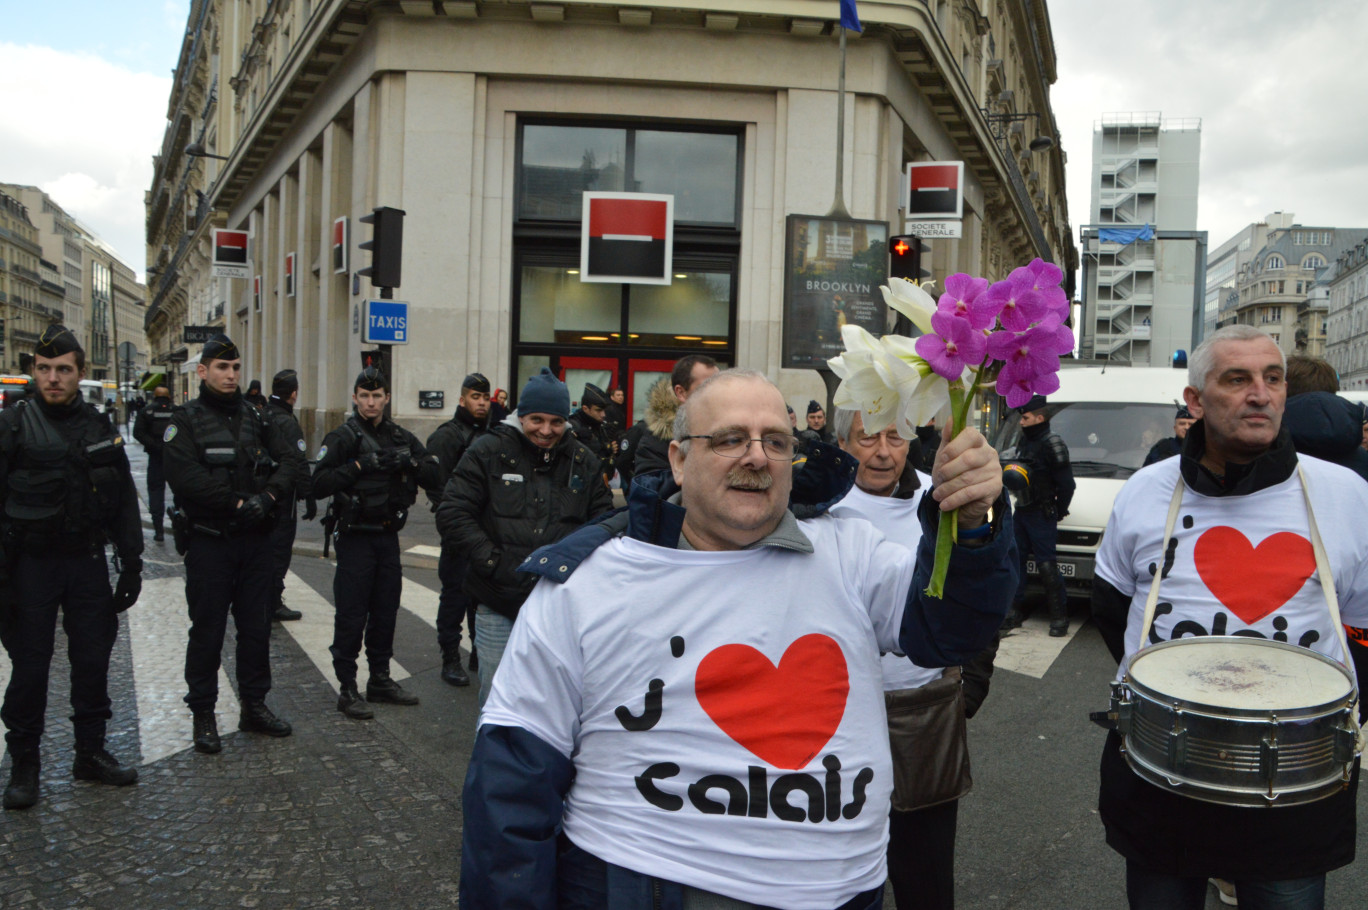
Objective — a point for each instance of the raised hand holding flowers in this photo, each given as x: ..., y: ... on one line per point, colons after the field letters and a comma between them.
x: 1018, y: 323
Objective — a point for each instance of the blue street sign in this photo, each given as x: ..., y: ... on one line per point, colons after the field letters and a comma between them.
x: 386, y: 322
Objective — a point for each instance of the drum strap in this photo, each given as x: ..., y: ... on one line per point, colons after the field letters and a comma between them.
x: 1327, y: 582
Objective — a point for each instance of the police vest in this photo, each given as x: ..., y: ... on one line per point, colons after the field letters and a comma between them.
x: 158, y: 419
x: 376, y: 501
x: 60, y: 488
x: 242, y: 463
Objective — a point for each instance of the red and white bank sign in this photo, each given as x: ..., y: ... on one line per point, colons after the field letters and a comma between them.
x: 230, y: 254
x: 627, y: 238
x: 339, y: 245
x: 935, y: 190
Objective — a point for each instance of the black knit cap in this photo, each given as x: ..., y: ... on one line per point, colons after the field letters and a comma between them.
x: 476, y: 382
x: 284, y: 383
x: 57, y: 340
x: 594, y: 396
x: 371, y: 379
x: 220, y: 347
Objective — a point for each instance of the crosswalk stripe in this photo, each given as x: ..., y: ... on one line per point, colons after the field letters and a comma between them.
x: 422, y: 549
x: 314, y: 632
x: 1030, y: 650
x: 158, y: 631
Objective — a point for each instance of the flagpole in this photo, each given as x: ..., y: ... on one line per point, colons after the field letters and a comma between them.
x: 838, y: 206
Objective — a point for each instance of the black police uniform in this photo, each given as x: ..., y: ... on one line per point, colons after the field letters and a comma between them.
x: 148, y: 429
x: 596, y: 434
x: 279, y: 414
x: 1038, y: 511
x: 67, y: 491
x: 373, y: 474
x: 449, y: 442
x: 228, y: 468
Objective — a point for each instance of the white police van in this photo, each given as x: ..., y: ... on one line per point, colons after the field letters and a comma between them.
x: 1109, y: 417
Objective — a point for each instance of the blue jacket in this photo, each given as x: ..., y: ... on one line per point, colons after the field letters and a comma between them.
x: 1324, y: 425
x: 516, y: 783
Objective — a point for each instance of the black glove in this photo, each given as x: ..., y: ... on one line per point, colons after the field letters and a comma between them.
x: 372, y: 463
x: 254, y: 510
x: 128, y: 588
x: 310, y: 509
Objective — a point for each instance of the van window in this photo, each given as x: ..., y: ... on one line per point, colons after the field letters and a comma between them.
x: 1105, y: 439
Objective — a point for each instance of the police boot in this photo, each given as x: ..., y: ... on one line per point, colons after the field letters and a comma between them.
x: 1056, y: 600
x: 381, y: 687
x: 257, y: 718
x: 22, y: 792
x: 206, y: 733
x: 157, y: 534
x: 453, y: 673
x: 350, y: 703
x: 98, y: 765
x: 1013, y: 619
x: 284, y: 613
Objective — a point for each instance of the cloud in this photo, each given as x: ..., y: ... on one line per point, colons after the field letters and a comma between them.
x: 1277, y: 88
x: 84, y: 130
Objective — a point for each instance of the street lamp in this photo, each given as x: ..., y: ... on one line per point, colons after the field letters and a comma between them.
x: 197, y: 150
x: 998, y: 125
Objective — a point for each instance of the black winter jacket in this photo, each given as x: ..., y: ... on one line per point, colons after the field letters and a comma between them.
x: 1327, y: 426
x: 450, y: 441
x: 506, y: 498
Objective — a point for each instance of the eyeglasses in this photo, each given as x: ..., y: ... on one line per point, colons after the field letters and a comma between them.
x: 889, y: 436
x: 733, y: 444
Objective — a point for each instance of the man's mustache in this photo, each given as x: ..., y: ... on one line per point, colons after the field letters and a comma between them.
x: 743, y: 478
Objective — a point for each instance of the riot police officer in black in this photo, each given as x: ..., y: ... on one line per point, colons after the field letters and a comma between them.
x: 372, y: 467
x: 1039, y: 507
x: 67, y: 491
x: 279, y: 413
x: 148, y: 429
x: 449, y: 442
x: 589, y: 424
x: 228, y: 468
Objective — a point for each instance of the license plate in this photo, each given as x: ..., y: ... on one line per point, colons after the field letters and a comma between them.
x: 1065, y: 569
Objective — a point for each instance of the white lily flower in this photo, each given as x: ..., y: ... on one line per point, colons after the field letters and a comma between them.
x: 910, y: 300
x: 885, y: 380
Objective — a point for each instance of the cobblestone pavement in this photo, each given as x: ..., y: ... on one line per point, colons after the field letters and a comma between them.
x: 341, y: 814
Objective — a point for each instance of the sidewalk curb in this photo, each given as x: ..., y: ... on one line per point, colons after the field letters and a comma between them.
x: 407, y: 560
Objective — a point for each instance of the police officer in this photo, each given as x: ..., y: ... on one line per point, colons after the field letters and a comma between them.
x: 372, y: 467
x: 229, y: 469
x: 280, y: 414
x: 449, y: 442
x: 1040, y: 505
x: 148, y: 429
x: 67, y: 491
x: 589, y: 427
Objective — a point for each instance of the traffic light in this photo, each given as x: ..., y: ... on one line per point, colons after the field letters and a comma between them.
x: 380, y: 359
x: 905, y: 258
x: 386, y: 246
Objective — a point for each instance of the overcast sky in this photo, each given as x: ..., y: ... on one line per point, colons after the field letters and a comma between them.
x: 1278, y: 86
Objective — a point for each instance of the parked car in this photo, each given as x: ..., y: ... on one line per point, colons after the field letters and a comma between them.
x: 13, y: 389
x: 1109, y: 417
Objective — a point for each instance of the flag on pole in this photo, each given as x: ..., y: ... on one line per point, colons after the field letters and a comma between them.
x: 850, y: 19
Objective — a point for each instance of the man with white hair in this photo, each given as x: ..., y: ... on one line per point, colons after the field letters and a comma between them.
x: 691, y: 713
x: 1240, y: 563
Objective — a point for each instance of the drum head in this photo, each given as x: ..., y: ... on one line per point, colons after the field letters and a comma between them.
x: 1240, y: 674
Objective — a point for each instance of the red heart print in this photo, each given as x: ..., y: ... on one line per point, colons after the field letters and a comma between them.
x: 1253, y: 581
x: 784, y: 714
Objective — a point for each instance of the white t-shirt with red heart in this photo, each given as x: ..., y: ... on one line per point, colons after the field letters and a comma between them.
x: 1242, y: 564
x: 898, y: 521
x: 723, y: 710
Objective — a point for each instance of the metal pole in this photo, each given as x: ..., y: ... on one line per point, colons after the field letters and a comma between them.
x: 838, y: 206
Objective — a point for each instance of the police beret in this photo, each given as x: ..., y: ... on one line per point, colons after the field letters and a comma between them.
x: 371, y: 379
x: 1035, y: 404
x: 594, y: 396
x: 813, y: 407
x: 220, y: 347
x: 284, y: 383
x: 1183, y: 413
x: 476, y: 382
x: 57, y: 340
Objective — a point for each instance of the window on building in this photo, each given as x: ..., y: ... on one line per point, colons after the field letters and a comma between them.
x: 1273, y: 262
x: 1314, y: 261
x: 1281, y: 286
x: 1299, y: 287
x: 1272, y: 314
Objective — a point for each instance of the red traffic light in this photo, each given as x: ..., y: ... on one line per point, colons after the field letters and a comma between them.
x: 901, y: 247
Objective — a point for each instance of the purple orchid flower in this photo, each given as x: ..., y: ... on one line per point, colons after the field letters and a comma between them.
x: 1064, y: 336
x: 954, y: 344
x: 961, y: 294
x: 1018, y: 385
x: 1033, y: 352
x: 1016, y: 300
x: 1047, y: 275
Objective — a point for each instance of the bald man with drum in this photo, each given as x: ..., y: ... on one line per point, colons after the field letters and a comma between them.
x: 1217, y: 587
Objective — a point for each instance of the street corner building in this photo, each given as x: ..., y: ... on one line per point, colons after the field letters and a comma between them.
x: 488, y: 123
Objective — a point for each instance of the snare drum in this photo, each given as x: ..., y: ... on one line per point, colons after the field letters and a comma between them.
x: 1239, y: 721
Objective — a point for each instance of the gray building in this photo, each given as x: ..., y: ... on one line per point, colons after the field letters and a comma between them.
x: 1143, y: 289
x: 1346, y: 341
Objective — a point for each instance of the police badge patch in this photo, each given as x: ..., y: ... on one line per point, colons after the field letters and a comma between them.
x: 321, y: 452
x: 301, y: 445
x: 170, y: 433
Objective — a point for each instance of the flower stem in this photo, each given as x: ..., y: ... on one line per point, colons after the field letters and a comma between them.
x: 947, y: 531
